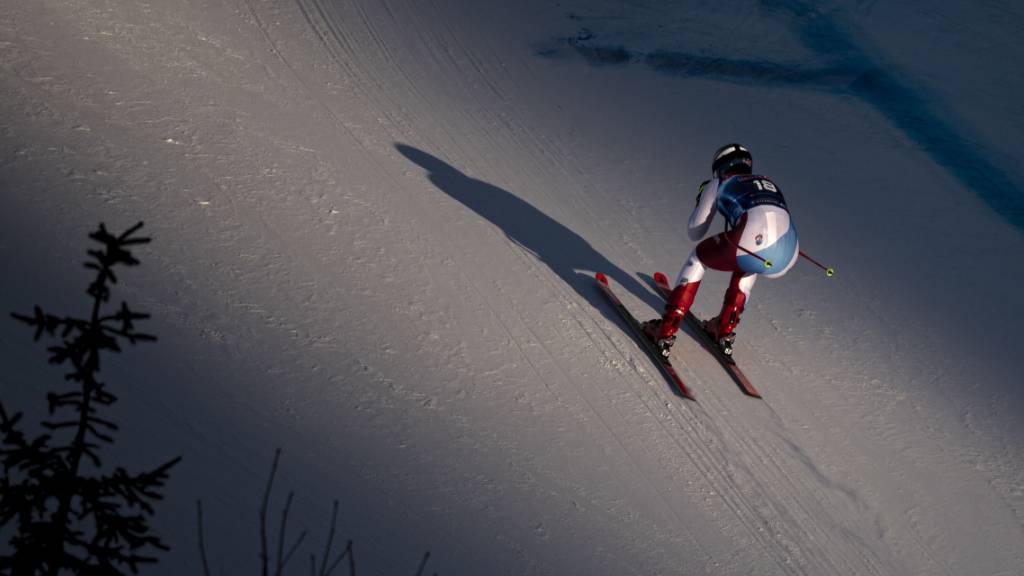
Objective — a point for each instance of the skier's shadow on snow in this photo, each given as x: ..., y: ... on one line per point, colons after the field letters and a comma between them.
x: 567, y: 254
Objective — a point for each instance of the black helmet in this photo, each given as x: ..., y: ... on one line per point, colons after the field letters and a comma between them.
x: 732, y: 158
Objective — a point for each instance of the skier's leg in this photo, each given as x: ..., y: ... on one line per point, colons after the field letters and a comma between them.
x: 679, y: 301
x: 719, y: 252
x: 692, y: 271
x: 723, y: 326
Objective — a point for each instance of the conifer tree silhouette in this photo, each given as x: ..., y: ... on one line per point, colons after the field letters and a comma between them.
x: 60, y: 513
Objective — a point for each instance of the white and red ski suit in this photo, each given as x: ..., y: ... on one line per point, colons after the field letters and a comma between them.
x: 759, y: 239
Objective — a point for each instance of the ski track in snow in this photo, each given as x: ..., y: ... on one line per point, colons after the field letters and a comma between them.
x: 581, y: 459
x: 776, y: 539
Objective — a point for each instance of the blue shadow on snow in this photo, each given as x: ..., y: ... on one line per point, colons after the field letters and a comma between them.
x: 851, y: 71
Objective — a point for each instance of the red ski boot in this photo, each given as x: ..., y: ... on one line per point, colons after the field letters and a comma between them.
x: 662, y: 331
x: 721, y: 328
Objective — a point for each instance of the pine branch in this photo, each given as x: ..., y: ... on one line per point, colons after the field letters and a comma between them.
x: 43, y: 488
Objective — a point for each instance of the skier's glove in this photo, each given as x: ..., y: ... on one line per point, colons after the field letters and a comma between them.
x: 700, y: 190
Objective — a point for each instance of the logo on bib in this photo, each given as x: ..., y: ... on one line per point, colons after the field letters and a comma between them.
x: 759, y: 239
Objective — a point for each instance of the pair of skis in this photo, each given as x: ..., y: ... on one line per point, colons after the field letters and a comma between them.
x: 664, y: 364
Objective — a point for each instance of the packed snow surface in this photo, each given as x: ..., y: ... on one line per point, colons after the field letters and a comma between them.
x: 376, y: 224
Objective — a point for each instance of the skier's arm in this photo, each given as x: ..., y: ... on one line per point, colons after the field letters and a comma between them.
x: 704, y: 213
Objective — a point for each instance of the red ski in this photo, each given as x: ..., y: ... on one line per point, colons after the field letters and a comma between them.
x: 663, y: 363
x: 661, y: 281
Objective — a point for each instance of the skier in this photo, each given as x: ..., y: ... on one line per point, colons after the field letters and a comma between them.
x: 759, y: 239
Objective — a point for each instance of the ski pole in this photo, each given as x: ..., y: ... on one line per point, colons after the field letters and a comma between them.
x: 829, y: 271
x: 767, y: 263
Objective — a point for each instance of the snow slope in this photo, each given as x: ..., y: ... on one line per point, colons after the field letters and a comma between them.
x: 375, y: 224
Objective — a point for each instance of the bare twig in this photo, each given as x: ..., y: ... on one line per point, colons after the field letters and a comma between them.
x: 423, y: 564
x: 282, y: 556
x: 294, y: 548
x: 330, y: 540
x: 351, y: 561
x: 202, y: 539
x: 282, y: 532
x: 264, y: 557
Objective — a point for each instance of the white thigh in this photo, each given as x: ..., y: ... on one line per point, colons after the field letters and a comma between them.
x: 747, y: 284
x: 693, y: 270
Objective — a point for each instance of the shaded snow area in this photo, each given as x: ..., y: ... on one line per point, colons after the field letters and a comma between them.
x: 375, y: 226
